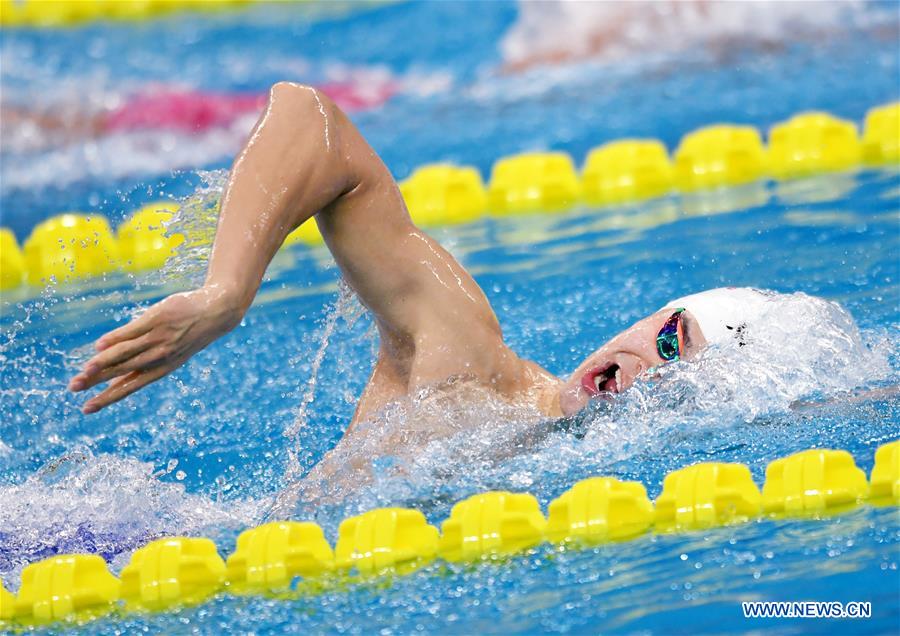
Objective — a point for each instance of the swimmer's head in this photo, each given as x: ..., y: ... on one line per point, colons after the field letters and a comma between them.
x: 678, y: 331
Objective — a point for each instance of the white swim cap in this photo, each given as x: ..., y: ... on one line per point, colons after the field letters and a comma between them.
x: 723, y: 313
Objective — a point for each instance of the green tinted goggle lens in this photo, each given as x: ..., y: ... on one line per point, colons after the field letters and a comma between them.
x: 667, y: 339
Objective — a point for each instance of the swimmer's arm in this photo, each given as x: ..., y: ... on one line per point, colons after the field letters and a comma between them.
x: 304, y: 158
x: 296, y: 163
x: 292, y: 166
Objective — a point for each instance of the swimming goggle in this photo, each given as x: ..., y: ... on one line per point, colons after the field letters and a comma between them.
x: 670, y: 337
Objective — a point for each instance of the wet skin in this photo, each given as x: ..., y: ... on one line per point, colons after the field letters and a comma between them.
x: 628, y: 357
x: 305, y: 159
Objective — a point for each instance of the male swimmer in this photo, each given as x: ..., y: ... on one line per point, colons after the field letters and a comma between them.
x: 305, y: 158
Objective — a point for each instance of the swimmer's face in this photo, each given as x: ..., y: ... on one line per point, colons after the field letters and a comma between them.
x: 616, y: 365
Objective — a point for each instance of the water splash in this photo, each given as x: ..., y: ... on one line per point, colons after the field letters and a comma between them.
x: 102, y: 504
x: 196, y: 219
x: 439, y: 445
x: 346, y: 306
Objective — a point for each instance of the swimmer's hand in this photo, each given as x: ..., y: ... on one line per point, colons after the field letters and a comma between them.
x: 294, y: 165
x: 156, y: 343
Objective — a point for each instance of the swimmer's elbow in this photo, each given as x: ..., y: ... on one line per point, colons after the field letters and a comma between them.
x: 293, y: 91
x: 308, y: 109
x: 307, y: 103
x: 323, y: 131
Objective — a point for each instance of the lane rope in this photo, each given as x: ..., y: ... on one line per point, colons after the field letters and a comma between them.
x: 708, y: 166
x: 293, y: 558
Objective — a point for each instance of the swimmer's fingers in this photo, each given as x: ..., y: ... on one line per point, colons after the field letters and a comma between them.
x: 100, y: 367
x: 134, y: 329
x: 141, y: 361
x: 123, y: 387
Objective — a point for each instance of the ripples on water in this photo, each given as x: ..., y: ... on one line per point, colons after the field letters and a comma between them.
x: 210, y: 450
x: 220, y: 437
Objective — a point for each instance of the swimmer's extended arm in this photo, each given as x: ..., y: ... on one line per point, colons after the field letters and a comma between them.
x: 304, y: 158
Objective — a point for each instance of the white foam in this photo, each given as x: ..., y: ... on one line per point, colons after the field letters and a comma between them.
x: 610, y: 31
x: 438, y: 447
x: 103, y: 504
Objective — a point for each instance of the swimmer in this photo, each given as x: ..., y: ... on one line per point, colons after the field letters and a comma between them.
x: 306, y: 160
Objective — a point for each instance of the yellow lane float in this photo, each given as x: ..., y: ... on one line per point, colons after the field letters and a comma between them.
x: 68, y: 13
x: 627, y: 170
x: 886, y: 474
x: 716, y: 168
x: 70, y: 246
x: 813, y: 481
x: 171, y: 571
x: 65, y: 585
x: 7, y: 604
x: 719, y: 156
x: 308, y: 234
x: 397, y: 540
x: 274, y: 553
x: 12, y: 262
x: 383, y: 538
x: 812, y: 143
x: 34, y: 13
x: 600, y: 509
x: 131, y: 9
x: 707, y: 495
x: 443, y: 194
x: 143, y: 241
x: 491, y: 523
x: 533, y: 182
x: 881, y: 135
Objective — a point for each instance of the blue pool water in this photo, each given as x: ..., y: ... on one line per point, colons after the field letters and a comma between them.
x: 206, y: 452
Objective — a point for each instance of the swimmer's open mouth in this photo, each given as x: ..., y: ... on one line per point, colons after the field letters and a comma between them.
x: 606, y: 379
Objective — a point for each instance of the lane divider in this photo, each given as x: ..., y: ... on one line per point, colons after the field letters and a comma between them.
x: 65, y: 585
x: 69, y: 13
x: 70, y: 246
x: 600, y: 509
x: 443, y: 194
x: 813, y: 481
x: 143, y: 241
x: 719, y: 156
x: 274, y: 553
x: 173, y: 570
x: 7, y: 604
x: 885, y: 479
x: 881, y: 135
x: 707, y: 162
x: 812, y: 143
x: 625, y: 171
x: 12, y: 261
x: 707, y: 495
x: 294, y: 557
x: 385, y: 538
x: 533, y: 182
x: 491, y: 523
